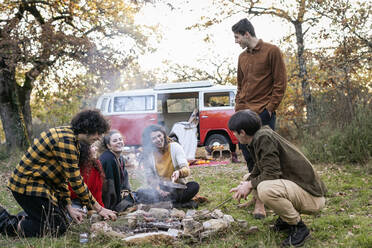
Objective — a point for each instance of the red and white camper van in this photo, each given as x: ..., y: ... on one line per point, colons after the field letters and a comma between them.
x: 166, y: 104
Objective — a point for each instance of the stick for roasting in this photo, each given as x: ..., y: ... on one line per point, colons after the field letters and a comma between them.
x: 219, y: 205
x: 222, y: 203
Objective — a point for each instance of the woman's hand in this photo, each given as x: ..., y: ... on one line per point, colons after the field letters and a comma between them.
x: 76, y: 214
x: 175, y: 176
x: 162, y: 193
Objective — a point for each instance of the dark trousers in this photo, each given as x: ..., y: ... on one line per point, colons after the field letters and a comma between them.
x: 149, y: 196
x: 232, y: 147
x: 42, y: 216
x: 266, y: 120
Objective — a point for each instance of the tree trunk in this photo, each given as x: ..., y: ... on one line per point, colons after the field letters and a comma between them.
x: 10, y: 110
x: 25, y: 103
x: 306, y: 91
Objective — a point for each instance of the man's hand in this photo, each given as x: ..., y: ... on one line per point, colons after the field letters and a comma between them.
x: 104, y: 212
x: 242, y: 191
x: 107, y: 214
x: 175, y: 176
x: 76, y: 214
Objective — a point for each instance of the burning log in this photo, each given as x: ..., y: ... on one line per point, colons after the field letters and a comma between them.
x: 147, y: 207
x: 165, y: 226
x: 155, y: 238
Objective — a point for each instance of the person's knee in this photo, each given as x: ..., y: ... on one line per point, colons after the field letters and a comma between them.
x: 265, y: 192
x: 321, y: 203
x: 61, y: 229
x: 317, y: 205
x: 197, y: 187
x: 194, y: 186
x: 54, y: 229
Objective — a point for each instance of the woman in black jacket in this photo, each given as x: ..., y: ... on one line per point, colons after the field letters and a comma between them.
x: 117, y: 179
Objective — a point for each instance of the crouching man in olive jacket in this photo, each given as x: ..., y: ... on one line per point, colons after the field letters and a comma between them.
x: 282, y: 177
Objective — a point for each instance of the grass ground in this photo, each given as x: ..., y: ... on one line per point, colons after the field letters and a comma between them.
x: 346, y: 220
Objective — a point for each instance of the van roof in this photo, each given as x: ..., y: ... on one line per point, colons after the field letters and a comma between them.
x: 180, y: 87
x: 183, y: 85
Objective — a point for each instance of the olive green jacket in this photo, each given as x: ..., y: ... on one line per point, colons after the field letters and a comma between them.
x: 276, y: 158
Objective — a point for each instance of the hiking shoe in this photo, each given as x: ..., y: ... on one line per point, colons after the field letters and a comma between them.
x: 8, y: 223
x: 200, y: 199
x: 234, y: 158
x: 281, y: 225
x: 4, y: 218
x: 259, y: 216
x: 298, y: 235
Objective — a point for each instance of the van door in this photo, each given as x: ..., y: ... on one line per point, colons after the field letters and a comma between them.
x: 131, y: 115
x: 216, y: 109
x: 177, y: 106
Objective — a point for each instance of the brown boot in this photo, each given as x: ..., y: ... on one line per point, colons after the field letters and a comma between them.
x: 200, y: 199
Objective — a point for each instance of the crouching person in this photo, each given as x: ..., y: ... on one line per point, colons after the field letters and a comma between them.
x: 282, y: 177
x: 165, y: 161
x: 39, y: 182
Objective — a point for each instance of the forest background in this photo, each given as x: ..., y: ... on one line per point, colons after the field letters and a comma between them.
x: 57, y: 57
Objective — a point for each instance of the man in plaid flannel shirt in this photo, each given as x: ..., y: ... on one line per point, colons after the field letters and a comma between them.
x: 39, y: 183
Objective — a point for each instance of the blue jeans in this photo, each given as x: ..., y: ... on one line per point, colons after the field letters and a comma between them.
x: 266, y: 120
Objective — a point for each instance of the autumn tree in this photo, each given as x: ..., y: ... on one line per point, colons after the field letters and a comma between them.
x: 219, y: 71
x: 296, y: 13
x: 346, y: 63
x: 135, y: 77
x: 47, y: 44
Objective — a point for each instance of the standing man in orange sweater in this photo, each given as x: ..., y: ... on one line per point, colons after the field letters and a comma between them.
x: 262, y: 80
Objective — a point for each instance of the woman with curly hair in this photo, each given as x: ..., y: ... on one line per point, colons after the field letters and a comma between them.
x: 91, y: 170
x: 117, y: 179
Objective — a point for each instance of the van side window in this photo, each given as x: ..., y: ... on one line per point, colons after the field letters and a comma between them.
x: 133, y: 103
x: 218, y: 99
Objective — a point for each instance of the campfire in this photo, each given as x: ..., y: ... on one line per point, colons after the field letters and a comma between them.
x: 160, y: 223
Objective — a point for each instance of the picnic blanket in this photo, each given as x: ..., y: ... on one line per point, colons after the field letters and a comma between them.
x: 211, y: 163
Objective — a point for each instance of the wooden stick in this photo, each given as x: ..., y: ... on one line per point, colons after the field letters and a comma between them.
x: 222, y: 203
x: 219, y: 205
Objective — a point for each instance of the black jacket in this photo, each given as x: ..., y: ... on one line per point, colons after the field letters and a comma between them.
x: 116, y: 180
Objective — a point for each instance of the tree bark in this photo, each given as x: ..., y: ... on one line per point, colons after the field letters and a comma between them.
x: 25, y: 103
x: 10, y: 110
x: 306, y: 91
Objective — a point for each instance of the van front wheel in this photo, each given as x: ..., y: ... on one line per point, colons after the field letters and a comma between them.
x: 216, y: 139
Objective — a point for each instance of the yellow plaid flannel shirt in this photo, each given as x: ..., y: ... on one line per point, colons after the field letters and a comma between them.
x: 47, y: 167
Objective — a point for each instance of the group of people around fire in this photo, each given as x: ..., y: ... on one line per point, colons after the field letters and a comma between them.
x: 62, y: 171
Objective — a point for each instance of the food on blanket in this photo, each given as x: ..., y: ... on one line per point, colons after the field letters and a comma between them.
x: 202, y: 161
x: 218, y: 147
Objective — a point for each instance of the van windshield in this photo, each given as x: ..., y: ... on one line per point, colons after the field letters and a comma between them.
x: 133, y: 103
